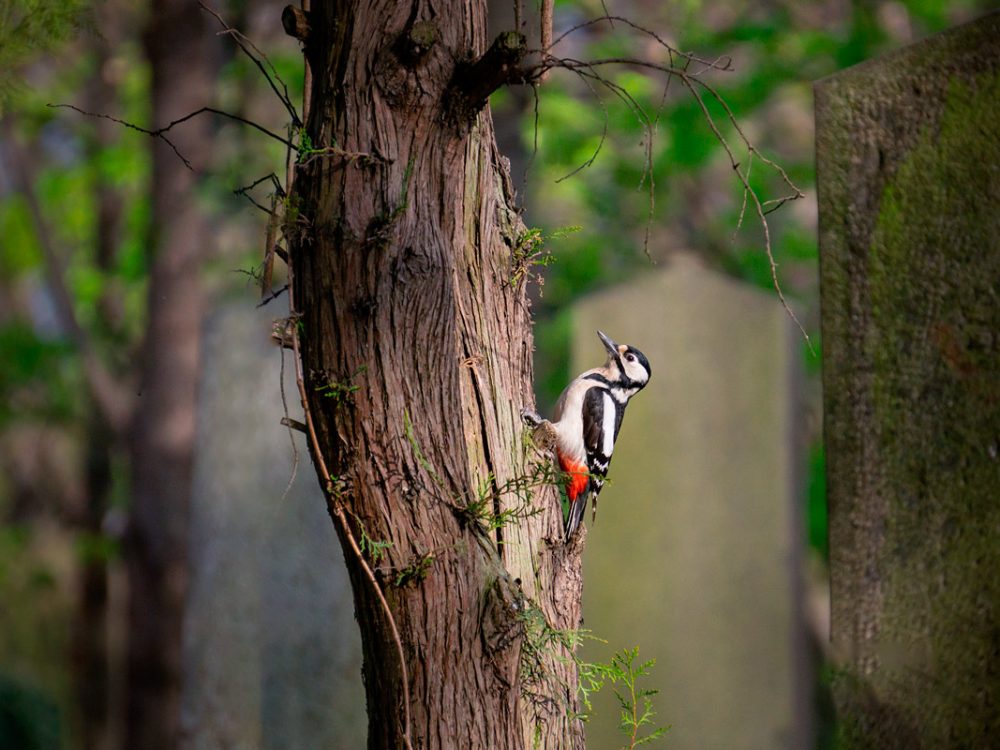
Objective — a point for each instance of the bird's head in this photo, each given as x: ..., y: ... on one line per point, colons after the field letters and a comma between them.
x: 629, y: 366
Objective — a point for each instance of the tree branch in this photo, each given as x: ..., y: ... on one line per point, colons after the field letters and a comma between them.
x: 111, y: 396
x: 473, y: 82
x: 546, y: 31
x: 546, y: 21
x: 295, y: 21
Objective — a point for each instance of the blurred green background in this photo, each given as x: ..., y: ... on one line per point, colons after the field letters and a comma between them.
x: 595, y: 223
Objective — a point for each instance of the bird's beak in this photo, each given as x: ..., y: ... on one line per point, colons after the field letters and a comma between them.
x: 610, y: 345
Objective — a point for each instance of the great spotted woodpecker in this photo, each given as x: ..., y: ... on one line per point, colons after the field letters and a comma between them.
x: 586, y: 421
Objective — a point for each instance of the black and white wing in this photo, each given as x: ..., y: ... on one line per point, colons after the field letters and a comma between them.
x: 602, y: 418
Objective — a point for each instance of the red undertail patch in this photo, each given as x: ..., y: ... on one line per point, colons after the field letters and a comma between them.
x: 578, y: 476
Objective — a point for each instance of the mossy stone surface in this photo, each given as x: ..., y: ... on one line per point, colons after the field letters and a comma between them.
x: 908, y: 158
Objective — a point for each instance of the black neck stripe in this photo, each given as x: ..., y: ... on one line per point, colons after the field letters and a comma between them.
x: 624, y: 382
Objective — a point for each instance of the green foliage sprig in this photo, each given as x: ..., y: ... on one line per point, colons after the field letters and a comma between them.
x: 623, y: 672
x: 373, y: 548
x: 636, y: 705
x: 342, y: 391
x: 530, y: 253
x: 484, y: 510
x: 415, y: 571
x: 541, y: 641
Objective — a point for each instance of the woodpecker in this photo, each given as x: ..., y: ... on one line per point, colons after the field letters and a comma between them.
x: 586, y: 421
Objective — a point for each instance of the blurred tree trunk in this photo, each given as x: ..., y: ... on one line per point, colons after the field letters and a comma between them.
x: 90, y: 636
x: 413, y: 317
x: 179, y: 51
x: 83, y: 510
x: 90, y: 633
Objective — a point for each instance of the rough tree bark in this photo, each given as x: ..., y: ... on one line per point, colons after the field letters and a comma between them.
x: 179, y: 51
x: 416, y: 348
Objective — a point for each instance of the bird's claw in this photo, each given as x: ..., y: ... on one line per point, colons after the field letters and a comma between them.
x: 531, y: 418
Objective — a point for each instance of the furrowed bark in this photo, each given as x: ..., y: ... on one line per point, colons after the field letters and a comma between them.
x: 408, y: 313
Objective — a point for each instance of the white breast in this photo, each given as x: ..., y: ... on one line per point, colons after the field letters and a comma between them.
x: 568, y: 418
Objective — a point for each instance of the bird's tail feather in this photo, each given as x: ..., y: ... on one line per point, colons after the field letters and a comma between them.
x: 576, y: 511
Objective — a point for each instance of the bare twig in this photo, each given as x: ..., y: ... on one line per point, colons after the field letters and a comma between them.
x: 649, y: 154
x: 294, y: 424
x: 607, y: 14
x: 689, y: 72
x: 722, y: 63
x: 761, y: 216
x: 259, y: 59
x: 273, y: 296
x: 586, y: 73
x: 159, y: 132
x: 245, y: 190
x: 746, y: 195
x: 534, y: 145
x: 750, y: 147
x: 692, y: 83
x: 604, y: 132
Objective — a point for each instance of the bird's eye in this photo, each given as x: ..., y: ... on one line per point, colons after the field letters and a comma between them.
x: 630, y: 357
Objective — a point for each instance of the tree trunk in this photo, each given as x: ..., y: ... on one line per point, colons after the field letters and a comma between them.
x: 90, y: 637
x: 92, y: 678
x: 416, y: 347
x: 178, y: 49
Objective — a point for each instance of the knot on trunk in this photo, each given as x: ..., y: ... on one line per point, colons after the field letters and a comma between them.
x: 414, y: 43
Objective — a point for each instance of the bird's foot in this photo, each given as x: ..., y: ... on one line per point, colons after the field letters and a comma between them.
x: 531, y: 418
